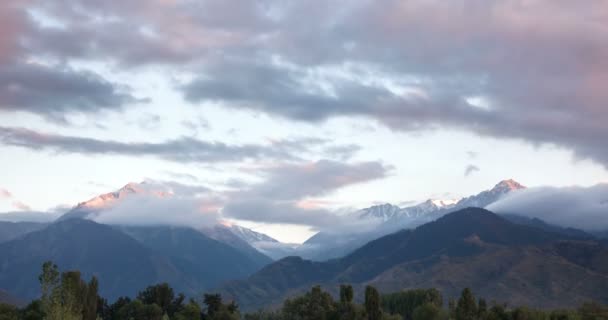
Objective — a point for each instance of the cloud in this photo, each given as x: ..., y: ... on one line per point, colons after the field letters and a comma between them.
x: 278, y: 199
x: 147, y: 210
x: 29, y: 216
x: 578, y: 207
x: 183, y: 149
x: 21, y: 206
x: 53, y: 91
x: 470, y: 169
x: 533, y: 71
x: 5, y: 194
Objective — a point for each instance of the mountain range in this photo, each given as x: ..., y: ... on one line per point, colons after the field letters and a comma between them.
x: 470, y: 247
x: 447, y: 244
x: 388, y: 218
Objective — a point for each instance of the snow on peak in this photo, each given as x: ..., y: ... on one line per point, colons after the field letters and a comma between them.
x: 108, y: 199
x: 249, y: 235
x: 507, y: 186
x: 385, y: 212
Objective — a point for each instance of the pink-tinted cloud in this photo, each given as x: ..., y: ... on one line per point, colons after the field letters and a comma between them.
x: 5, y: 194
x: 21, y: 206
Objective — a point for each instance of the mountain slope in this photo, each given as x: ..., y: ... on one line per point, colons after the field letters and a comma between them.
x: 202, y: 261
x: 227, y: 236
x: 121, y: 263
x: 13, y: 230
x: 470, y: 237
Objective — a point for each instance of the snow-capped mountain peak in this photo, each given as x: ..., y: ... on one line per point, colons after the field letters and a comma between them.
x: 384, y: 212
x: 507, y: 186
x: 106, y: 200
x: 249, y: 235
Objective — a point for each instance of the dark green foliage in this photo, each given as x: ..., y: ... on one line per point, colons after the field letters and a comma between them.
x: 372, y: 303
x: 163, y: 296
x: 428, y: 311
x: 190, y: 311
x: 314, y: 305
x: 33, y: 311
x: 593, y: 311
x: 66, y: 296
x: 404, y: 303
x: 8, y: 312
x: 138, y: 310
x: 217, y: 310
x: 466, y: 309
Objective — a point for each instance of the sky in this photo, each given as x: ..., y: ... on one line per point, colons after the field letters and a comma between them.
x: 280, y: 115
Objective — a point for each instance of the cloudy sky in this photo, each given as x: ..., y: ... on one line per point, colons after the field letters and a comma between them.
x: 279, y: 113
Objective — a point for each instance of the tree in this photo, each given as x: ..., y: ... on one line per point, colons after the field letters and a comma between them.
x: 314, y: 305
x: 372, y: 303
x: 191, y: 311
x: 466, y: 309
x: 428, y: 311
x: 33, y: 311
x: 49, y: 283
x: 161, y: 294
x: 346, y: 294
x: 91, y: 300
x: 213, y: 303
x: 405, y: 302
x: 8, y: 312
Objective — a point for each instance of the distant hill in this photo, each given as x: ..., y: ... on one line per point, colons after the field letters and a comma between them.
x: 203, y: 262
x: 11, y: 230
x: 121, y: 263
x: 124, y: 264
x: 468, y: 248
x: 7, y: 298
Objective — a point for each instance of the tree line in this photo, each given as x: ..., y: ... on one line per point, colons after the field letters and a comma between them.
x: 66, y: 296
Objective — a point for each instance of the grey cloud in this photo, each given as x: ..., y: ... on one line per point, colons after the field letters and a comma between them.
x: 181, y: 150
x: 281, y: 197
x: 533, y: 71
x: 150, y: 210
x: 295, y: 181
x: 29, y: 216
x: 470, y: 169
x: 578, y: 207
x: 54, y: 91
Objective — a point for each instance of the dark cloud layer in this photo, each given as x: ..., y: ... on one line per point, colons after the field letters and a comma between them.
x: 530, y: 70
x: 53, y: 92
x: 181, y: 150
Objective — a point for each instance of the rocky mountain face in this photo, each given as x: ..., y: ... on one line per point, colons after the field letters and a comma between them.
x: 471, y: 247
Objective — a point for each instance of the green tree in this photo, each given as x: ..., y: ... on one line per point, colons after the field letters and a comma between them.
x: 191, y: 311
x: 49, y: 283
x: 91, y: 300
x: 33, y: 311
x: 404, y: 302
x: 346, y: 309
x: 8, y: 312
x: 428, y: 311
x: 372, y: 303
x: 161, y: 294
x: 213, y: 303
x: 314, y: 305
x: 466, y: 309
x: 593, y: 311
